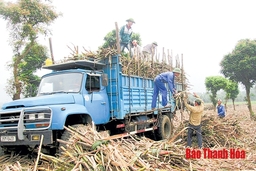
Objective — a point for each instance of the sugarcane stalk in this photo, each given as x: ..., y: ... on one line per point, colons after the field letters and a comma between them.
x: 39, y: 151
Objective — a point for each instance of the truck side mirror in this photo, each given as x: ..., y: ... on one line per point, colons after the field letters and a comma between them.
x: 104, y: 79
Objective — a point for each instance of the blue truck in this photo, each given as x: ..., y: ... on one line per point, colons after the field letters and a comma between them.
x: 83, y: 92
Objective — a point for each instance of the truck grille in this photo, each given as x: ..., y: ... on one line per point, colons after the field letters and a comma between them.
x: 9, y: 118
x: 30, y: 118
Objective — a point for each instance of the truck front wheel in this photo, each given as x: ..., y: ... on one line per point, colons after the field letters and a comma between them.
x: 66, y: 136
x: 164, y: 130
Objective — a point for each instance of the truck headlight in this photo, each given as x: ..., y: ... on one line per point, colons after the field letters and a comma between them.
x: 40, y: 115
x: 31, y: 116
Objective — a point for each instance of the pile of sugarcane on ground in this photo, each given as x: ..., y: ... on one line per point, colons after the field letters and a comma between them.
x: 235, y: 131
x: 87, y: 149
x: 216, y: 133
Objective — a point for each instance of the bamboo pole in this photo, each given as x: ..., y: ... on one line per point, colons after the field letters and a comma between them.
x: 163, y: 58
x: 152, y: 58
x: 51, y: 51
x: 39, y: 152
x: 139, y: 63
x: 171, y: 60
x: 162, y: 61
x: 168, y: 56
x: 117, y: 39
x: 182, y: 73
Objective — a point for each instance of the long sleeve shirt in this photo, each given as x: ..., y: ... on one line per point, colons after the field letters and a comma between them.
x: 168, y: 77
x: 125, y: 34
x: 149, y: 48
x: 196, y: 112
x: 221, y: 110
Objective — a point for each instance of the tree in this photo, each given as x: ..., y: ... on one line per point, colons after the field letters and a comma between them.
x: 239, y: 66
x: 110, y: 39
x: 232, y: 91
x: 213, y: 85
x: 26, y: 20
x: 32, y: 61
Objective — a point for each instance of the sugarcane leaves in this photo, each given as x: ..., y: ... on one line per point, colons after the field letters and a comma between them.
x: 97, y: 143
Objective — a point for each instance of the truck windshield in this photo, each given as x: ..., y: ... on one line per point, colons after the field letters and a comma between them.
x: 60, y: 83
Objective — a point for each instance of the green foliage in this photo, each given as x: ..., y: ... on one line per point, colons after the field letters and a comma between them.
x: 240, y: 65
x: 27, y: 19
x: 136, y: 36
x: 231, y: 90
x: 32, y: 61
x: 214, y: 84
x: 110, y: 39
x: 31, y: 87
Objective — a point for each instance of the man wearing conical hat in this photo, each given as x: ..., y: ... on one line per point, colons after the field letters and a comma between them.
x: 149, y: 51
x: 126, y: 34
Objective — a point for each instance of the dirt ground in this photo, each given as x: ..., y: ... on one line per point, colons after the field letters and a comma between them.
x: 235, y: 131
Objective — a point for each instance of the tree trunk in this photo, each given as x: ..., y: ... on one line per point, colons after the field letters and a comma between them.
x: 247, y: 88
x: 16, y: 62
x: 226, y: 101
x: 233, y: 101
x: 17, y: 84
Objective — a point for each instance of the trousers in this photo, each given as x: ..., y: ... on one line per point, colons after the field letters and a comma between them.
x: 191, y: 129
x: 125, y: 45
x: 159, y: 86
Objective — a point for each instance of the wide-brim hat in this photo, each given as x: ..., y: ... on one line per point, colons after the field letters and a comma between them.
x: 177, y: 70
x: 198, y: 101
x: 131, y: 20
x: 155, y: 43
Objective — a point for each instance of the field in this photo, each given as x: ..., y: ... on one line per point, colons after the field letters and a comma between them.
x: 234, y: 132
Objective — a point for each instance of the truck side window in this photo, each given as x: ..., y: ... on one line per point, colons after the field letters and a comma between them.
x: 92, y: 83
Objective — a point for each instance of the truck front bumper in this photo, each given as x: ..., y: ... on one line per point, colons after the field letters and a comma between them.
x: 31, y: 138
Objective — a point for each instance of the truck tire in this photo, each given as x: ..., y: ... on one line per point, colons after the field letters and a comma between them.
x: 66, y: 136
x: 164, y: 130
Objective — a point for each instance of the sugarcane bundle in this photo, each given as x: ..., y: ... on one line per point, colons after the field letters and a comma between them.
x: 136, y: 65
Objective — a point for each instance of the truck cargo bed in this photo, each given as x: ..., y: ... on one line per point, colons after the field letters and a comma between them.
x: 128, y: 93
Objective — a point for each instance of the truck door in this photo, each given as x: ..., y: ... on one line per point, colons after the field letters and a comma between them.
x: 96, y: 101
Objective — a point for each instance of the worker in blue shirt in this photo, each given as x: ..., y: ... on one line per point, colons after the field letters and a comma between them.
x: 220, y: 109
x: 159, y: 85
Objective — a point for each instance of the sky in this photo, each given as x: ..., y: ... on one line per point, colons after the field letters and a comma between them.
x: 202, y: 31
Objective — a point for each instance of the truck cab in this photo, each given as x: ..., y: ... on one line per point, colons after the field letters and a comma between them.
x: 66, y: 96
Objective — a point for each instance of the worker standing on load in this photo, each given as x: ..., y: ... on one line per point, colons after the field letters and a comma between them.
x: 159, y: 85
x: 126, y: 34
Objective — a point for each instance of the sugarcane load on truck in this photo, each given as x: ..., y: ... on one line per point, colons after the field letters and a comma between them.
x: 81, y: 92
